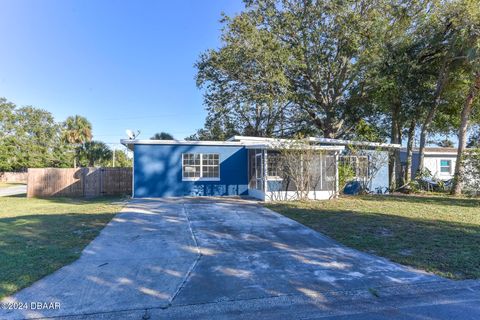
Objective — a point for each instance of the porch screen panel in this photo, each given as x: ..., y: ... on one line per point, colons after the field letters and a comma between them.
x: 329, y: 168
x: 278, y: 179
x: 317, y: 167
x: 251, y: 168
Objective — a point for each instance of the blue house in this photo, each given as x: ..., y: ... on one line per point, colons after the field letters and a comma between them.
x: 241, y: 166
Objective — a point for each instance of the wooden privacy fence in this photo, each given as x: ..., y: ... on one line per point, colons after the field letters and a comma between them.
x: 79, y: 182
x: 19, y: 177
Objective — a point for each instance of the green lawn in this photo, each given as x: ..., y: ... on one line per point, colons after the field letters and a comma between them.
x: 437, y: 234
x: 38, y: 236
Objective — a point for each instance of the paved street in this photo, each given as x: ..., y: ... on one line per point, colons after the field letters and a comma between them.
x: 14, y: 190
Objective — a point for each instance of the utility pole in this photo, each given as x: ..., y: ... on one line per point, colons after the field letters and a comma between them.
x: 113, y: 162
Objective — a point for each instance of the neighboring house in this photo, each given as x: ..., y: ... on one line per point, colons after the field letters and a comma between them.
x: 240, y: 166
x: 440, y: 162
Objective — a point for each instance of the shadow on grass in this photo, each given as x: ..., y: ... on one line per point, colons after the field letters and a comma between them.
x: 427, y: 199
x: 33, y: 246
x: 447, y: 248
x: 18, y: 195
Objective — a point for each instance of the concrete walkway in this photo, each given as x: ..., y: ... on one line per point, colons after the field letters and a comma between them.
x: 224, y: 259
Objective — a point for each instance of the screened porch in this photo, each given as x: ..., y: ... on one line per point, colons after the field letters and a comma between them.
x: 278, y: 174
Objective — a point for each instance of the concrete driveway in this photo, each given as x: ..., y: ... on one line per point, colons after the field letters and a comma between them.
x: 225, y: 258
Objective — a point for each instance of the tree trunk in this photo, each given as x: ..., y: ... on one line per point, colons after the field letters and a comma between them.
x: 398, y: 162
x: 408, y: 161
x: 394, y: 156
x: 392, y: 180
x: 462, y: 135
x: 441, y: 81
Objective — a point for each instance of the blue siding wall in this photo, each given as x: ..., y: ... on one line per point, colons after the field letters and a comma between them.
x: 158, y: 171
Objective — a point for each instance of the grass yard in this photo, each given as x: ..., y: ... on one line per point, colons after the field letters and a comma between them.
x: 437, y: 234
x: 38, y: 236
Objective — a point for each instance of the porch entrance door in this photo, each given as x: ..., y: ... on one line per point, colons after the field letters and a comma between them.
x: 258, y: 172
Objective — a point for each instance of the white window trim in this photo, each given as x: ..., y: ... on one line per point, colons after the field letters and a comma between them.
x: 201, y: 178
x: 274, y: 178
x: 449, y: 167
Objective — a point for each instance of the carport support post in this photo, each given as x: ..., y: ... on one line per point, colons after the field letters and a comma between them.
x: 337, y: 176
x: 265, y: 172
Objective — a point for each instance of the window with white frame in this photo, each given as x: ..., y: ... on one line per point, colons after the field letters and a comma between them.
x: 445, y: 166
x: 200, y: 166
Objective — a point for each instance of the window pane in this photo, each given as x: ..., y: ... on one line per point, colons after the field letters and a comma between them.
x: 210, y: 165
x: 191, y: 165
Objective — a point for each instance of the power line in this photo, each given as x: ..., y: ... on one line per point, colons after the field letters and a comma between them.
x: 153, y: 117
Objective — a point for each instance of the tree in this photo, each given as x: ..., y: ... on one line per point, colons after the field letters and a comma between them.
x: 457, y: 25
x: 467, y: 27
x: 29, y: 138
x: 462, y: 135
x: 246, y: 87
x: 445, y: 143
x: 77, y: 130
x: 162, y: 136
x: 402, y: 78
x: 94, y: 153
x: 290, y: 64
x: 122, y: 159
x: 8, y: 150
x: 474, y: 141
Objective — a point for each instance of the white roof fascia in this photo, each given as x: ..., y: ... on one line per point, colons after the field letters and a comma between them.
x: 127, y: 142
x: 355, y: 143
x: 276, y: 147
x: 444, y: 153
x: 318, y: 140
x: 246, y: 139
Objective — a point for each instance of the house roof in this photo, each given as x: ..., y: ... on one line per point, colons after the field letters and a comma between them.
x: 319, y: 140
x: 440, y: 150
x: 129, y: 143
x: 435, y: 150
x: 260, y: 143
x: 368, y: 144
x: 277, y: 146
x: 263, y: 143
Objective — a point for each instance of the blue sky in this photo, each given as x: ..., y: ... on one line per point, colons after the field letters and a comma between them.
x: 121, y: 64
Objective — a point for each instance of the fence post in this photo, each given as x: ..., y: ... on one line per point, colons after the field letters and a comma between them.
x: 84, y: 178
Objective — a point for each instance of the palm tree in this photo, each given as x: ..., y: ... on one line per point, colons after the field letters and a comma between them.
x: 162, y: 136
x: 77, y: 130
x: 95, y: 152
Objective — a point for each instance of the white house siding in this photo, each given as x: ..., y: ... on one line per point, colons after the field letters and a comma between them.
x: 432, y: 163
